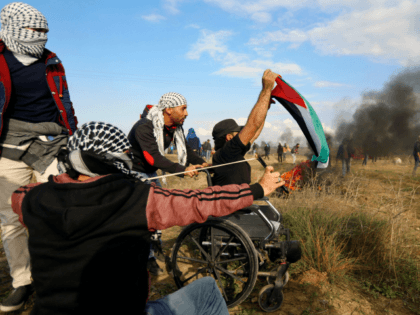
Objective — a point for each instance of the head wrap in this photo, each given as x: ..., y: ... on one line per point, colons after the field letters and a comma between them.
x: 155, y: 114
x: 15, y: 18
x: 105, y: 145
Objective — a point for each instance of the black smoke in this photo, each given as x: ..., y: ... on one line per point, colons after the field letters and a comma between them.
x: 387, y: 121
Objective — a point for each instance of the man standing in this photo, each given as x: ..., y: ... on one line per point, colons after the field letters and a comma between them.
x: 344, y: 153
x: 233, y: 141
x: 267, y: 151
x: 36, y: 119
x: 152, y: 134
x: 207, y: 149
x: 416, y: 153
x: 280, y: 152
x: 295, y: 150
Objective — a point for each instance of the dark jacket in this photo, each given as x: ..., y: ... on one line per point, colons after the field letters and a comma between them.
x: 147, y: 156
x: 89, y: 241
x: 56, y: 79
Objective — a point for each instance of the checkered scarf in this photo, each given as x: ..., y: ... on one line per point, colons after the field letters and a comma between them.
x: 155, y: 114
x: 15, y: 17
x: 105, y: 140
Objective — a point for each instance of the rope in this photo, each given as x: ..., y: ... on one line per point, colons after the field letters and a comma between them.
x: 201, y: 168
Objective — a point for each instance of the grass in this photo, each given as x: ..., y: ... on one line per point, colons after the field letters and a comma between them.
x: 363, y: 228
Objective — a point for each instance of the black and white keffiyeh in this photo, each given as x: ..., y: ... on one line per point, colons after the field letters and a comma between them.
x: 155, y: 114
x: 15, y: 18
x: 104, y: 140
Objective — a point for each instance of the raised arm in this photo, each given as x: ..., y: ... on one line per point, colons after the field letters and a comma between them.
x: 257, y: 116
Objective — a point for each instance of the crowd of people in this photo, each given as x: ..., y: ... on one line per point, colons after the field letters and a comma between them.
x: 96, y: 202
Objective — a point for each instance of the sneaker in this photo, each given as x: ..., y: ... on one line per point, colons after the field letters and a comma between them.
x: 17, y: 298
x: 153, y: 267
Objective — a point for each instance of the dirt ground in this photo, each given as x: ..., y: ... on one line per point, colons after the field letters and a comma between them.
x: 308, y: 292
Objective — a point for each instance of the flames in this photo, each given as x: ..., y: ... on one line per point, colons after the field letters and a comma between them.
x: 294, y: 177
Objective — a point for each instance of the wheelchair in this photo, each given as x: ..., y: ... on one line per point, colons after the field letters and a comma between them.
x: 231, y: 249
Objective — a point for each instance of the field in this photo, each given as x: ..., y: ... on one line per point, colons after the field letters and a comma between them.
x: 360, y: 237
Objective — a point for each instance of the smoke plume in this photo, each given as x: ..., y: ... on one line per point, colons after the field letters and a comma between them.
x: 387, y: 121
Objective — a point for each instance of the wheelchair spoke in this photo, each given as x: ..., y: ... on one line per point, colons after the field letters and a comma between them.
x: 220, y: 284
x: 189, y: 278
x: 229, y: 273
x: 193, y: 259
x: 224, y: 247
x: 199, y: 246
x: 230, y: 260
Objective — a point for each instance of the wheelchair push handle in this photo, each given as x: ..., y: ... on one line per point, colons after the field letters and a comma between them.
x: 209, y: 181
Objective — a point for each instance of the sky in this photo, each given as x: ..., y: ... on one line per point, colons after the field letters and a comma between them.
x: 122, y: 55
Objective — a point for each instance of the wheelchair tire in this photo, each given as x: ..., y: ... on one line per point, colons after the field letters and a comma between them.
x: 234, y: 267
x: 263, y: 299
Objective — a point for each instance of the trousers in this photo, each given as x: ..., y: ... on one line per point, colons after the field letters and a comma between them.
x: 14, y: 174
x: 201, y: 297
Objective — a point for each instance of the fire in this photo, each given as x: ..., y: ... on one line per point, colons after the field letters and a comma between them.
x: 294, y: 177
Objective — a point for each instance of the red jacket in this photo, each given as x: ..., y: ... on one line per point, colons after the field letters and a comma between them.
x: 56, y: 79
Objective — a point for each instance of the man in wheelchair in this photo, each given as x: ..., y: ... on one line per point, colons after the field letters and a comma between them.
x: 89, y: 230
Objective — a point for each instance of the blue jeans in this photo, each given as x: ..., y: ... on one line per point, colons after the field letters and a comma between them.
x: 208, y: 155
x: 201, y: 297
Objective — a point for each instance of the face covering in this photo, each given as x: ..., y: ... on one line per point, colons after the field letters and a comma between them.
x: 15, y: 19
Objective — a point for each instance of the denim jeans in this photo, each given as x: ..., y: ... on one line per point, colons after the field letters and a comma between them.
x: 208, y: 155
x: 199, y: 297
x: 346, y: 165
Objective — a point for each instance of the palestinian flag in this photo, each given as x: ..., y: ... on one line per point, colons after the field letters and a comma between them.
x: 306, y: 118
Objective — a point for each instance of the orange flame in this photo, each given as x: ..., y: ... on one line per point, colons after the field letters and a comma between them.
x: 294, y: 176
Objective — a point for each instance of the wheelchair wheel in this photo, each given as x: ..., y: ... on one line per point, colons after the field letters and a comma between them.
x: 217, y: 248
x: 263, y: 299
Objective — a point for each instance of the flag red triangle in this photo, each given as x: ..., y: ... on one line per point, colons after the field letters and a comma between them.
x: 286, y: 92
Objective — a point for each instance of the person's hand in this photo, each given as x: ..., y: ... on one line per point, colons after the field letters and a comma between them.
x: 270, y: 181
x: 268, y: 79
x: 191, y: 170
x: 204, y: 164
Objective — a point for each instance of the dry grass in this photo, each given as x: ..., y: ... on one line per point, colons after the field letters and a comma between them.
x: 364, y: 226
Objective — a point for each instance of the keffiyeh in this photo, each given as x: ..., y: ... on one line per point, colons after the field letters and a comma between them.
x: 155, y: 114
x: 15, y: 18
x: 105, y: 141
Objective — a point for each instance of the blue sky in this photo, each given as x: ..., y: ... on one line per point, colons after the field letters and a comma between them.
x: 121, y: 55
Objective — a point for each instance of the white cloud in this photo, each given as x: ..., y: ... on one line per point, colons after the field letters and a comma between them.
x: 153, y: 18
x: 255, y: 68
x: 196, y: 26
x: 383, y: 30
x: 257, y: 10
x: 235, y: 64
x: 171, y: 6
x: 211, y: 42
x: 202, y: 132
x: 241, y: 121
x: 322, y: 84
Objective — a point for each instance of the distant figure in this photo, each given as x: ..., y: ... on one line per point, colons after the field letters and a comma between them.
x: 193, y: 141
x: 254, y: 148
x: 345, y: 150
x: 295, y: 151
x: 286, y: 149
x: 267, y: 151
x: 207, y: 150
x: 280, y: 152
x: 416, y: 153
